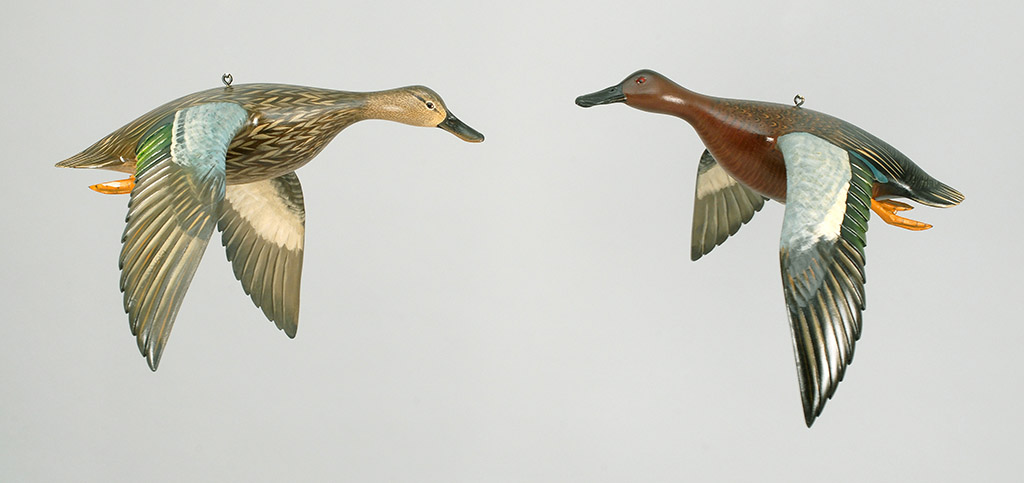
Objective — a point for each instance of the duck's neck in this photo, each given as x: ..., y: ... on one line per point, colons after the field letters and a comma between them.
x: 384, y: 105
x: 678, y: 101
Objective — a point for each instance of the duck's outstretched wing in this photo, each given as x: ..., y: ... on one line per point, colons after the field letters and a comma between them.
x: 263, y: 227
x: 720, y: 206
x: 171, y: 215
x: 822, y: 256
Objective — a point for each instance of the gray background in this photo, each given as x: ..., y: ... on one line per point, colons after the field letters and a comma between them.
x: 523, y: 309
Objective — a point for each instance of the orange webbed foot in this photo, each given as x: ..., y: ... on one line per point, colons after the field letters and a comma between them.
x: 887, y: 209
x: 118, y: 187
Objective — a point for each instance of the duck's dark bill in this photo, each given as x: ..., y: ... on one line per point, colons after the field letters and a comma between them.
x: 453, y: 125
x: 604, y: 96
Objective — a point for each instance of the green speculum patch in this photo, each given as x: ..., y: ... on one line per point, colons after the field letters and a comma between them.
x: 157, y: 143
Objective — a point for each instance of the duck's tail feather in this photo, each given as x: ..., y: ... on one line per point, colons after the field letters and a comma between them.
x: 916, y: 184
x: 938, y: 194
x: 93, y: 160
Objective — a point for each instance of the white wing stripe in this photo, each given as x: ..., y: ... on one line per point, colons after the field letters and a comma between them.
x: 714, y: 180
x: 273, y: 222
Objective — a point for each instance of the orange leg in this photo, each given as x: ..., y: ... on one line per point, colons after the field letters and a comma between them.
x: 119, y: 187
x: 887, y: 209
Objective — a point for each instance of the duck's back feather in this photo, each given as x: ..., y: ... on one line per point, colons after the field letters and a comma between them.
x: 296, y: 122
x: 896, y: 174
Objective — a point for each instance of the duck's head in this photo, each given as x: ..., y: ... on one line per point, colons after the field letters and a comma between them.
x: 644, y: 89
x: 419, y: 106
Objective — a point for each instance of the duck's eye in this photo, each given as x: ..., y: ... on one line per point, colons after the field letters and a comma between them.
x: 641, y: 80
x: 430, y: 105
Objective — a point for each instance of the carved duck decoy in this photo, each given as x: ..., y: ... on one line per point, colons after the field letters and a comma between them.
x: 828, y: 172
x: 226, y: 157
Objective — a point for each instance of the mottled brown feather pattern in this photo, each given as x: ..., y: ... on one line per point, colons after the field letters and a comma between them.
x: 288, y: 126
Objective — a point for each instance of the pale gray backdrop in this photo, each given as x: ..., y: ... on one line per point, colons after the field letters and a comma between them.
x: 524, y: 309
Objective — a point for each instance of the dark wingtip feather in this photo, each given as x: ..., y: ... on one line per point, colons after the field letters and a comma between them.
x: 948, y: 192
x: 939, y: 195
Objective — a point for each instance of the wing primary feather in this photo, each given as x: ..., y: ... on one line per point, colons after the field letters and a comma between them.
x: 293, y: 284
x: 268, y: 285
x: 711, y: 224
x: 745, y: 204
x: 817, y: 339
x: 256, y: 276
x: 845, y: 316
x: 806, y: 358
x: 732, y: 209
x: 243, y: 259
x: 830, y: 318
x: 276, y: 292
x: 250, y: 269
x: 739, y: 217
x: 722, y: 232
x: 138, y: 259
x: 704, y: 227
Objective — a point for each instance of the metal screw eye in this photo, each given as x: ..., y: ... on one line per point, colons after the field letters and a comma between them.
x: 227, y: 79
x: 798, y: 100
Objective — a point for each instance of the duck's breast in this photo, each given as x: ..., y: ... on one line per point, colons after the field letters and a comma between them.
x: 742, y: 136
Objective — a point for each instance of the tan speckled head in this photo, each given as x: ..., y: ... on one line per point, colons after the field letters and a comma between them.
x: 418, y: 106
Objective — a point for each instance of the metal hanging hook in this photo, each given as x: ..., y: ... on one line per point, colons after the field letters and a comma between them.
x: 798, y: 100
x: 227, y: 79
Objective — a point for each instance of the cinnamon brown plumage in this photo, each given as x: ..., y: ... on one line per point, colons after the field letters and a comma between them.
x: 828, y: 172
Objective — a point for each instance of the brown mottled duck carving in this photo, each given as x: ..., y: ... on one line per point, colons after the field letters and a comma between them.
x: 226, y: 157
